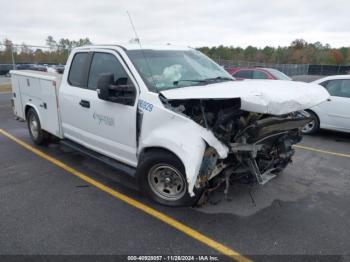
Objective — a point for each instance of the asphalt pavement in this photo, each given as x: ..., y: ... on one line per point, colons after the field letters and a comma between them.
x: 4, y: 80
x: 303, y: 214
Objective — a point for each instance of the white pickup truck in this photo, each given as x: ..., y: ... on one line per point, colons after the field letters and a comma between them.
x: 168, y: 115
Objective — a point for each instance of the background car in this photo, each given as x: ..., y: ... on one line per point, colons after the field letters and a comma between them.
x: 23, y: 66
x: 38, y: 67
x: 5, y: 69
x: 333, y: 114
x: 59, y: 69
x: 241, y: 73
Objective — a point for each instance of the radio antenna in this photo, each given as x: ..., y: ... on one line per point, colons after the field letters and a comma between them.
x: 142, y: 51
x: 133, y: 28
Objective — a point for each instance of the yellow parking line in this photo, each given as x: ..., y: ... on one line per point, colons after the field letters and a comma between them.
x: 149, y: 210
x: 322, y: 151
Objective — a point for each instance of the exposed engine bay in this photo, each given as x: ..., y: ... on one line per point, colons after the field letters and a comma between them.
x: 260, y: 145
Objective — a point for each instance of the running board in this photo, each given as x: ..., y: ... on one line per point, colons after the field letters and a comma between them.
x: 126, y: 169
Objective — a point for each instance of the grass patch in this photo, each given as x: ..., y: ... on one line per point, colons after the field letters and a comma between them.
x: 5, y: 87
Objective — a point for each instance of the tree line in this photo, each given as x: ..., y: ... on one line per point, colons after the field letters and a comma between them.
x: 298, y: 52
x: 55, y: 52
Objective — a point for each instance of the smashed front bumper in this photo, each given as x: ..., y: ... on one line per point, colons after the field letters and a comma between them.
x: 273, y: 133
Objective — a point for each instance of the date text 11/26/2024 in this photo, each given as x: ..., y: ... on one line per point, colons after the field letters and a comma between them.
x: 174, y: 258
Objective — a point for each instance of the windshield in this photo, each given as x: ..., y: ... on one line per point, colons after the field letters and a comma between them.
x: 278, y: 74
x: 168, y: 69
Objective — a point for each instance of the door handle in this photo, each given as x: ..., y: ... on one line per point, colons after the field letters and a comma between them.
x: 329, y: 99
x: 84, y: 103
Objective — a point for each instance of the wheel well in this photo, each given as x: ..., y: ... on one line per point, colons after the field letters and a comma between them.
x: 313, y: 112
x: 156, y: 149
x: 26, y: 109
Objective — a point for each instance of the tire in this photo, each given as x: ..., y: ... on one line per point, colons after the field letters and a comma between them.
x: 39, y: 136
x: 161, y: 177
x: 312, y: 127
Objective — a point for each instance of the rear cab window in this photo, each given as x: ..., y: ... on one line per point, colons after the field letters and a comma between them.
x: 259, y: 75
x: 78, y: 69
x: 278, y: 74
x: 248, y: 74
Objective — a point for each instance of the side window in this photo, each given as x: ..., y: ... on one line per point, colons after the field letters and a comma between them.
x: 77, y: 69
x: 339, y: 87
x: 346, y: 88
x: 244, y: 74
x: 333, y: 87
x: 259, y: 75
x: 324, y: 84
x: 106, y: 63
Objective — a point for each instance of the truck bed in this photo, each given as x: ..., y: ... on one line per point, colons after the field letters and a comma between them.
x: 38, y: 90
x: 39, y: 74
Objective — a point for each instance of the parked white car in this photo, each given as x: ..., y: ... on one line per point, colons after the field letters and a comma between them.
x: 334, y: 113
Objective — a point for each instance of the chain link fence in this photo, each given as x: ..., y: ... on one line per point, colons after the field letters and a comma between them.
x: 288, y: 69
x: 291, y: 69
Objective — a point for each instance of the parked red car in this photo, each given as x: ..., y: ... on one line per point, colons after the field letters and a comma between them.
x: 241, y: 73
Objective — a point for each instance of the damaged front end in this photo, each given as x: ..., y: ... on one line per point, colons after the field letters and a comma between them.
x: 260, y: 145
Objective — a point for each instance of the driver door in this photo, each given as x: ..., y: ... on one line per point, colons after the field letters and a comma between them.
x: 103, y: 126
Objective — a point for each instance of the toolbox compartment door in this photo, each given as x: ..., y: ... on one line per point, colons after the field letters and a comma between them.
x: 16, y: 96
x: 40, y: 91
x: 49, y: 107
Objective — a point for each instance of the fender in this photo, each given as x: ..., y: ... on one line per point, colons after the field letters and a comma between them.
x: 180, y: 135
x: 325, y: 120
x: 36, y: 110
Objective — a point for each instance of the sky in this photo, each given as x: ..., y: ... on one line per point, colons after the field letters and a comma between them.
x: 192, y: 23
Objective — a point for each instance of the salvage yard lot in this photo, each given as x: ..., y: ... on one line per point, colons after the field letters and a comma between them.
x: 47, y: 210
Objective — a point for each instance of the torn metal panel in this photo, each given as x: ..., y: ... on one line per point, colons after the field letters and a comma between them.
x: 180, y: 135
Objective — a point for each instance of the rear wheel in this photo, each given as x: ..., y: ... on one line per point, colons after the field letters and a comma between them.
x: 39, y: 136
x: 313, y: 126
x: 161, y: 176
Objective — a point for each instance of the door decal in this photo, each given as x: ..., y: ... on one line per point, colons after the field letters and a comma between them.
x: 102, y: 119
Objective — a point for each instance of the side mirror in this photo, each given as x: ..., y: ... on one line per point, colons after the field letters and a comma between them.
x: 103, y: 84
x: 115, y: 91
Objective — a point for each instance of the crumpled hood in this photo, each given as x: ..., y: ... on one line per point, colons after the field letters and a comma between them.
x: 275, y: 97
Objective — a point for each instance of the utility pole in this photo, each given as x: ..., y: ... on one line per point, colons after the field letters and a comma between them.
x: 13, y: 58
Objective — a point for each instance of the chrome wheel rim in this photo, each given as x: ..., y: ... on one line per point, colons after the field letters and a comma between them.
x: 34, y: 126
x: 308, y: 127
x: 166, y: 182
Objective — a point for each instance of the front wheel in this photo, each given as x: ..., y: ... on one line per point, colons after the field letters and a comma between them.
x: 161, y: 176
x: 313, y: 126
